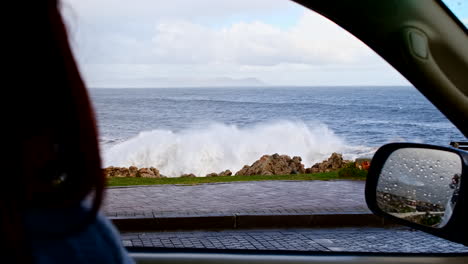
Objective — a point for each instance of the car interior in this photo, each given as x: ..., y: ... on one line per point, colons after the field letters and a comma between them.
x: 428, y: 45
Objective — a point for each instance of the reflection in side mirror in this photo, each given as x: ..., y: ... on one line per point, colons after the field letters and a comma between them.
x: 420, y: 185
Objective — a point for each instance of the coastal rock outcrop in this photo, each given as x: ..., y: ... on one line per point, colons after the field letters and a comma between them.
x: 116, y: 172
x: 148, y: 173
x: 274, y: 165
x: 333, y: 163
x: 133, y: 171
x: 223, y: 173
x: 120, y: 172
x: 190, y: 175
x: 267, y: 165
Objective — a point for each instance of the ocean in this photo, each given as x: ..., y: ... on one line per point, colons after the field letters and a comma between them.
x: 204, y: 130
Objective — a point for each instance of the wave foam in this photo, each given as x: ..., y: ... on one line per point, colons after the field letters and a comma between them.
x: 218, y: 147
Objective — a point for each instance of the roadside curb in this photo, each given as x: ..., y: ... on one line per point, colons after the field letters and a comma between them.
x: 249, y: 221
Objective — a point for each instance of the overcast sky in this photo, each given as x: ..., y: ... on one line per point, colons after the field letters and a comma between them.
x: 153, y: 43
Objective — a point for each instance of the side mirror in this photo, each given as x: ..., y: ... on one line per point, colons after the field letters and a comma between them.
x: 421, y: 186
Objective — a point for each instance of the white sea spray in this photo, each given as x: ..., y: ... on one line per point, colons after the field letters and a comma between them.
x: 217, y: 147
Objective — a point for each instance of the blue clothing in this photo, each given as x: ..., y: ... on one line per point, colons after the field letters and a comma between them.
x: 51, y: 240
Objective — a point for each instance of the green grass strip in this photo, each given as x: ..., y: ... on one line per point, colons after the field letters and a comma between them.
x: 199, y: 180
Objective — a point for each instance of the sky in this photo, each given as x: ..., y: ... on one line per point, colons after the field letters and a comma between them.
x: 155, y: 43
x: 459, y: 8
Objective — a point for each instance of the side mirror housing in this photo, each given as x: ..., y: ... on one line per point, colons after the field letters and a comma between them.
x: 421, y: 186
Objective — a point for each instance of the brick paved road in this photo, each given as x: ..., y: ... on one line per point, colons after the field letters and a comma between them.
x: 264, y: 197
x: 342, y: 239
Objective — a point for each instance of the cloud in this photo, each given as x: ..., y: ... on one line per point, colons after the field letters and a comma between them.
x: 141, y: 43
x: 144, y: 9
x: 313, y: 40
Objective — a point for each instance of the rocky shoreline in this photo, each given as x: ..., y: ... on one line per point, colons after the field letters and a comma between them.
x: 267, y: 165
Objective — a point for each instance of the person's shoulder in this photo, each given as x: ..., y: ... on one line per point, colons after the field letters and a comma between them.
x: 55, y: 238
x: 111, y: 237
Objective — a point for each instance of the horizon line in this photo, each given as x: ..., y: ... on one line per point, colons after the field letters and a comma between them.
x: 250, y: 86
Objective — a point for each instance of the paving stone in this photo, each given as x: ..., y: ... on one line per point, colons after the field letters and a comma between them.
x: 396, y: 240
x: 244, y: 198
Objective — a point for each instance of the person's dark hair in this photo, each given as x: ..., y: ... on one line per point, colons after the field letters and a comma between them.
x: 52, y: 143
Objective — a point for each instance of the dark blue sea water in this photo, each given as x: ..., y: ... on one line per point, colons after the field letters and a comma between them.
x: 195, y: 127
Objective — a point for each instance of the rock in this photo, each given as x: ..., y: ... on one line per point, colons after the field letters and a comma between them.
x: 145, y: 173
x: 191, y: 175
x: 116, y: 172
x: 274, y: 165
x: 119, y: 172
x: 243, y: 171
x: 333, y: 163
x: 133, y: 171
x: 225, y: 173
x: 123, y: 172
x: 108, y: 172
x: 155, y: 172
